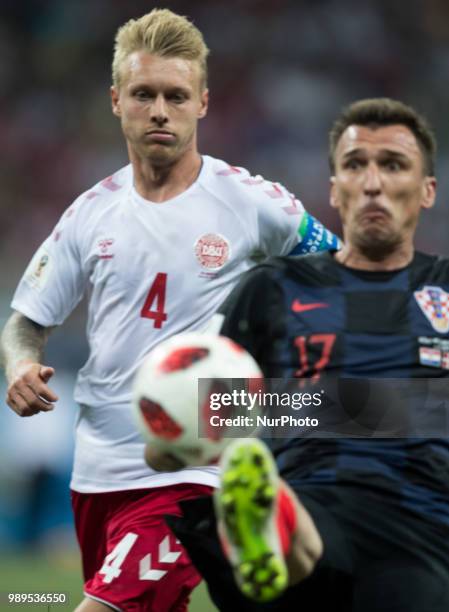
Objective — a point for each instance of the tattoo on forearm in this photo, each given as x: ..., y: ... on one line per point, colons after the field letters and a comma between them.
x: 22, y: 339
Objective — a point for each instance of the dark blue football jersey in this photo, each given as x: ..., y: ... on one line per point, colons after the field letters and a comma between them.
x: 309, y: 318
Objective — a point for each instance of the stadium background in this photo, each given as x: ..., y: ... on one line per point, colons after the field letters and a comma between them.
x: 279, y: 71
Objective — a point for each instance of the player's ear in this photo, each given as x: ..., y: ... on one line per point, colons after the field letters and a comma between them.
x: 204, y: 104
x: 332, y: 197
x: 115, y: 101
x: 429, y: 192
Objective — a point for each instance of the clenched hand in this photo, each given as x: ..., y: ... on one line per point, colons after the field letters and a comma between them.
x: 28, y: 392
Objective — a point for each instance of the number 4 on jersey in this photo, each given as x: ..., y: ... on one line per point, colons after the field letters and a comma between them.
x: 156, y: 294
x: 113, y: 561
x: 112, y: 565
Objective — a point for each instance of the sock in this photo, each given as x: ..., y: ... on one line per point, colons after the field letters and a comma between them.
x: 286, y: 519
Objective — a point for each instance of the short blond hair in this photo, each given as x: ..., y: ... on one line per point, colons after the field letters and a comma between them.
x: 161, y: 33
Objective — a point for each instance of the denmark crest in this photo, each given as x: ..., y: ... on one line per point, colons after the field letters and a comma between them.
x: 434, y: 303
x: 212, y: 251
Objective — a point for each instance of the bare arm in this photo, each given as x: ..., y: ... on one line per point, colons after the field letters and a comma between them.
x: 22, y: 345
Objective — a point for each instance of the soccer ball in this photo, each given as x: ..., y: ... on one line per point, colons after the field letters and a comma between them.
x: 173, y: 410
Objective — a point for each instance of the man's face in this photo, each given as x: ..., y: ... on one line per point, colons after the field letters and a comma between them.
x: 159, y: 102
x: 379, y: 187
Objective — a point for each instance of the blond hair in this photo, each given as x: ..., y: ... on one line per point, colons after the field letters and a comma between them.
x: 161, y: 33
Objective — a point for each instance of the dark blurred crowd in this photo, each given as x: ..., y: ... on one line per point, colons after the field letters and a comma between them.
x: 279, y: 71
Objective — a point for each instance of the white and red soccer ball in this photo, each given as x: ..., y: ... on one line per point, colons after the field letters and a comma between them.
x: 171, y: 408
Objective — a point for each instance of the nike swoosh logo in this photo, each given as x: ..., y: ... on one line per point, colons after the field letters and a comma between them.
x: 297, y: 306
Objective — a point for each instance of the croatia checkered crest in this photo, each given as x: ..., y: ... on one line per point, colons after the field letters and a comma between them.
x: 434, y: 303
x: 172, y: 409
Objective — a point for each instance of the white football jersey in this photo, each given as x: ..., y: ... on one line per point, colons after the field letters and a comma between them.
x: 151, y: 270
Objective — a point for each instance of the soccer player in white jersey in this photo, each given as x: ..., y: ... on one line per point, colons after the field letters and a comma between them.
x: 157, y: 246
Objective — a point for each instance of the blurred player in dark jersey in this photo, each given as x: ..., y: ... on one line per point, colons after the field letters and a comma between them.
x: 359, y: 525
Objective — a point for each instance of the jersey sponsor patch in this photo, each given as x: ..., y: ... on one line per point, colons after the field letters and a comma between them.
x: 434, y: 352
x: 39, y: 269
x: 212, y: 251
x: 434, y: 303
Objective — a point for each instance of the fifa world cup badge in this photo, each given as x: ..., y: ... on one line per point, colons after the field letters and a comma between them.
x: 39, y: 269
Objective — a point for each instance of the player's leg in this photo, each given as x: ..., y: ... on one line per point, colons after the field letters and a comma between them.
x: 141, y: 562
x: 90, y: 605
x: 402, y: 555
x: 267, y: 535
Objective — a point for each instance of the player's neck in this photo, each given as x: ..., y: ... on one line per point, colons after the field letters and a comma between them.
x: 161, y: 183
x: 352, y: 257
